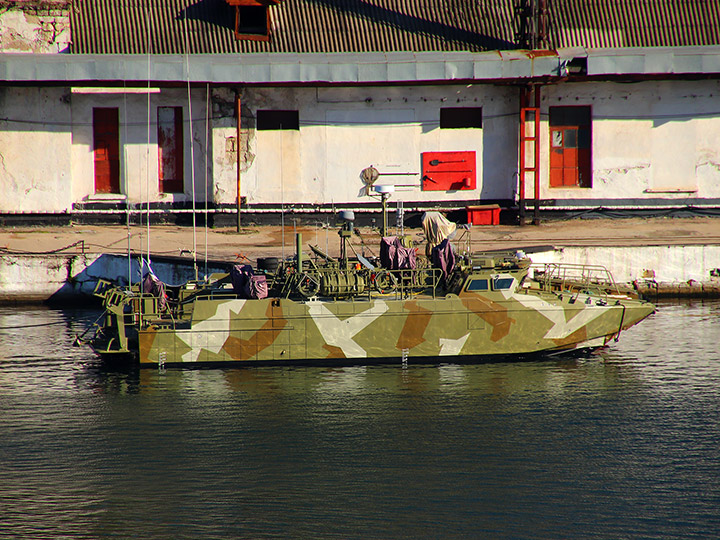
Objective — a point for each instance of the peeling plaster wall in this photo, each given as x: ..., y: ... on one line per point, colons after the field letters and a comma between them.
x: 35, y: 148
x: 225, y: 146
x: 667, y: 264
x: 35, y: 30
x: 344, y: 130
x: 46, y: 147
x: 138, y: 160
x: 652, y: 139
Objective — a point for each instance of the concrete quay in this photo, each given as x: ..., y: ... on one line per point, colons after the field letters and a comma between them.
x: 677, y: 257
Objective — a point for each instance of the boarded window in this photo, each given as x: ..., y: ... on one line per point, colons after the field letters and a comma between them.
x: 275, y: 119
x: 570, y: 146
x: 460, y: 117
x: 106, y: 149
x: 170, y: 150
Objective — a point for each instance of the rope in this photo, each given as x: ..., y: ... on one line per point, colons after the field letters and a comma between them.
x: 192, y: 151
x: 33, y: 325
x: 147, y: 152
x: 207, y: 194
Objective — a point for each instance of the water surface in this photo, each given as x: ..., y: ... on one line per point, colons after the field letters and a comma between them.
x: 622, y: 444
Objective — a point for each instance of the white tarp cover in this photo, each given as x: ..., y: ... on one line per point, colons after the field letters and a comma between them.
x: 437, y: 228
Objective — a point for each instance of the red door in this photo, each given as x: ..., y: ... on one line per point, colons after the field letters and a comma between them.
x: 106, y: 150
x: 570, y: 148
x: 170, y: 146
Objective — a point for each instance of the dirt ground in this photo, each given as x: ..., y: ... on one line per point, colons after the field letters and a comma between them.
x: 261, y: 241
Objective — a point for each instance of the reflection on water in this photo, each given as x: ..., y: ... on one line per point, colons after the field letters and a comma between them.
x: 623, y: 444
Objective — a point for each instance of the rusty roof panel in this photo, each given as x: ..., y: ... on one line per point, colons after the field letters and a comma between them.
x: 179, y: 26
x: 346, y: 26
x: 633, y: 23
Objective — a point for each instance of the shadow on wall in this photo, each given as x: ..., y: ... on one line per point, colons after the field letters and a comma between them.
x: 84, y: 272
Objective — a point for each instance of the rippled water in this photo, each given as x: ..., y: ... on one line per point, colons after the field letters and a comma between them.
x: 623, y: 444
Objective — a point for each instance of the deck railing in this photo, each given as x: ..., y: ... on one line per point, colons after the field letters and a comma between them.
x: 574, y: 277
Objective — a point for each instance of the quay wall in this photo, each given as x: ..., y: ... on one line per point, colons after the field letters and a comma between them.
x: 655, y: 271
x: 71, y: 278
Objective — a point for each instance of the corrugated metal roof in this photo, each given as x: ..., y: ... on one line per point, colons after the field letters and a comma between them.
x: 179, y: 26
x: 317, y: 26
x: 633, y: 23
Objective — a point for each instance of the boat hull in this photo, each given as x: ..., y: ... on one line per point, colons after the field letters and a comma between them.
x: 466, y: 327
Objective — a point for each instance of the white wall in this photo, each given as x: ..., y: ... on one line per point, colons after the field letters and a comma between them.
x: 35, y: 145
x: 138, y: 159
x: 344, y: 130
x: 666, y: 264
x: 653, y: 139
x: 650, y: 140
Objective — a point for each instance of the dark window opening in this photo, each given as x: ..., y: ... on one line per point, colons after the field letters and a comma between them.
x: 478, y: 285
x: 251, y: 22
x: 273, y: 119
x: 501, y: 284
x: 460, y: 117
x: 570, y: 116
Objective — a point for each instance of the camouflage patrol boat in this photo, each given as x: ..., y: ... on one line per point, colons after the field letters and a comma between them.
x: 356, y: 309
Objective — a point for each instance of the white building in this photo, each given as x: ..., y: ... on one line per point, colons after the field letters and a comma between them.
x: 142, y: 115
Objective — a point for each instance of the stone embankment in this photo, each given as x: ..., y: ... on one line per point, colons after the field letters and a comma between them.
x: 669, y: 257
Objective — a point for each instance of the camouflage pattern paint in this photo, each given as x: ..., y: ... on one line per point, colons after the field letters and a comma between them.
x: 275, y: 329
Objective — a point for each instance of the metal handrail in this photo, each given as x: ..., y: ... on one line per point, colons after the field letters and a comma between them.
x: 575, y: 276
x: 411, y: 281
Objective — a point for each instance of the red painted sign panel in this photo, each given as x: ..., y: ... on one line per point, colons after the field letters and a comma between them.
x: 448, y: 171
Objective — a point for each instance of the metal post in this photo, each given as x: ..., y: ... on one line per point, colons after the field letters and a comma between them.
x: 384, y: 197
x: 239, y: 162
x: 298, y: 252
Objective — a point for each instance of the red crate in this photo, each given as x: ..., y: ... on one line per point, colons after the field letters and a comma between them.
x: 484, y: 214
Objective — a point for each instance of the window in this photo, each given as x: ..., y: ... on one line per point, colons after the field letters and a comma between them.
x: 570, y: 146
x: 170, y: 149
x: 502, y: 283
x: 478, y: 285
x: 251, y: 18
x: 274, y: 119
x: 460, y: 117
x: 251, y: 21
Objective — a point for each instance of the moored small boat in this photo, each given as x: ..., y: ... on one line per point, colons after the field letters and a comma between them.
x: 353, y: 309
